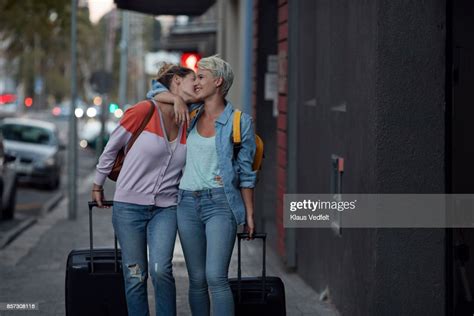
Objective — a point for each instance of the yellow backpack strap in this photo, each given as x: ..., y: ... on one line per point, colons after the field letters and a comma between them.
x: 259, y: 155
x: 236, y: 137
x: 236, y: 127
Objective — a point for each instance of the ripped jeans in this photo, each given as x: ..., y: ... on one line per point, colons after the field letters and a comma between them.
x: 137, y: 226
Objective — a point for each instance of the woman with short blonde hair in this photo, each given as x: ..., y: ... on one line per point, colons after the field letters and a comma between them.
x: 216, y: 190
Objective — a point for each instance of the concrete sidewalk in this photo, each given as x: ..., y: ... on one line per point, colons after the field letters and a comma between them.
x: 32, y: 267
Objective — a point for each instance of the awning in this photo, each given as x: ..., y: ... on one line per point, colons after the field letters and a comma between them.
x: 166, y: 7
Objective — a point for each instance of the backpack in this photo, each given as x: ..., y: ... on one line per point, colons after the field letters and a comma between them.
x: 237, y: 140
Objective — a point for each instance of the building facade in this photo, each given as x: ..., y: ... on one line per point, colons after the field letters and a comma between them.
x: 383, y: 85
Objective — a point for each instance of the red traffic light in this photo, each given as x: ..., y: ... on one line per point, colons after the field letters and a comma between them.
x: 190, y: 60
x: 28, y: 102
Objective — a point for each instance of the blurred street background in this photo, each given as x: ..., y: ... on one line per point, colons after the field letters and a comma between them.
x: 349, y: 96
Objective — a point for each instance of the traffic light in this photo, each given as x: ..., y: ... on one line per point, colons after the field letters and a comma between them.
x: 97, y: 100
x: 28, y: 102
x: 113, y: 107
x: 190, y: 60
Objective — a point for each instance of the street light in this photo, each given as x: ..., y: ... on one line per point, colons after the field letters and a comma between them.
x: 79, y: 112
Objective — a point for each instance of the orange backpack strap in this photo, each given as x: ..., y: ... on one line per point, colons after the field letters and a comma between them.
x: 193, y: 113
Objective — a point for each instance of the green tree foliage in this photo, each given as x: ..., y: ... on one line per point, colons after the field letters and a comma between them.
x: 36, y: 36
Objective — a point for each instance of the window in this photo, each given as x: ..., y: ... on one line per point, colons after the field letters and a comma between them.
x: 27, y: 134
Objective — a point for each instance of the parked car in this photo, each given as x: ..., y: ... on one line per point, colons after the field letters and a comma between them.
x: 7, y: 185
x: 8, y: 104
x: 35, y: 146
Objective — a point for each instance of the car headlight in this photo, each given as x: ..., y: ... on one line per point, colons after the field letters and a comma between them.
x: 48, y: 162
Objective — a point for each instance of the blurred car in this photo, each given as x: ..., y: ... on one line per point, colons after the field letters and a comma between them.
x: 36, y: 149
x: 8, y: 104
x: 7, y: 185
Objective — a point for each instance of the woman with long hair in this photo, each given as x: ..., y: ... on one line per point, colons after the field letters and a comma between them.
x: 144, y: 209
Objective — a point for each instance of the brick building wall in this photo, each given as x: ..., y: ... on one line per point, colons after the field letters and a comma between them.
x: 281, y: 131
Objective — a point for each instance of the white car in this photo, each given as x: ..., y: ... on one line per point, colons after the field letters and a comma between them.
x: 35, y: 146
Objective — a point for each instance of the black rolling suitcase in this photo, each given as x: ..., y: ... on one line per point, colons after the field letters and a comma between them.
x: 257, y: 295
x: 94, y: 280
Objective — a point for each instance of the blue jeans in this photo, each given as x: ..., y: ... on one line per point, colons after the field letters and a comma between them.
x: 207, y: 230
x: 135, y: 227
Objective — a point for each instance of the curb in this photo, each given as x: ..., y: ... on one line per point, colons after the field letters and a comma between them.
x: 53, y: 211
x: 12, y: 234
x: 15, y: 232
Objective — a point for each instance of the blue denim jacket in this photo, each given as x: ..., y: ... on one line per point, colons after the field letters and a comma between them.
x: 236, y: 173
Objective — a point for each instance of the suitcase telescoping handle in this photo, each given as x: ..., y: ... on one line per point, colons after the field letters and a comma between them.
x: 241, y: 236
x: 93, y: 204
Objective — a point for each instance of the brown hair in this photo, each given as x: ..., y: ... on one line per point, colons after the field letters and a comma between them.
x: 167, y: 72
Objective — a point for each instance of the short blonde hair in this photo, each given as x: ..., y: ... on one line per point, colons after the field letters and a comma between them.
x: 219, y: 69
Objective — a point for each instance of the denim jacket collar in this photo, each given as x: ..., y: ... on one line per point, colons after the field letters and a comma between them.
x: 224, y: 117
